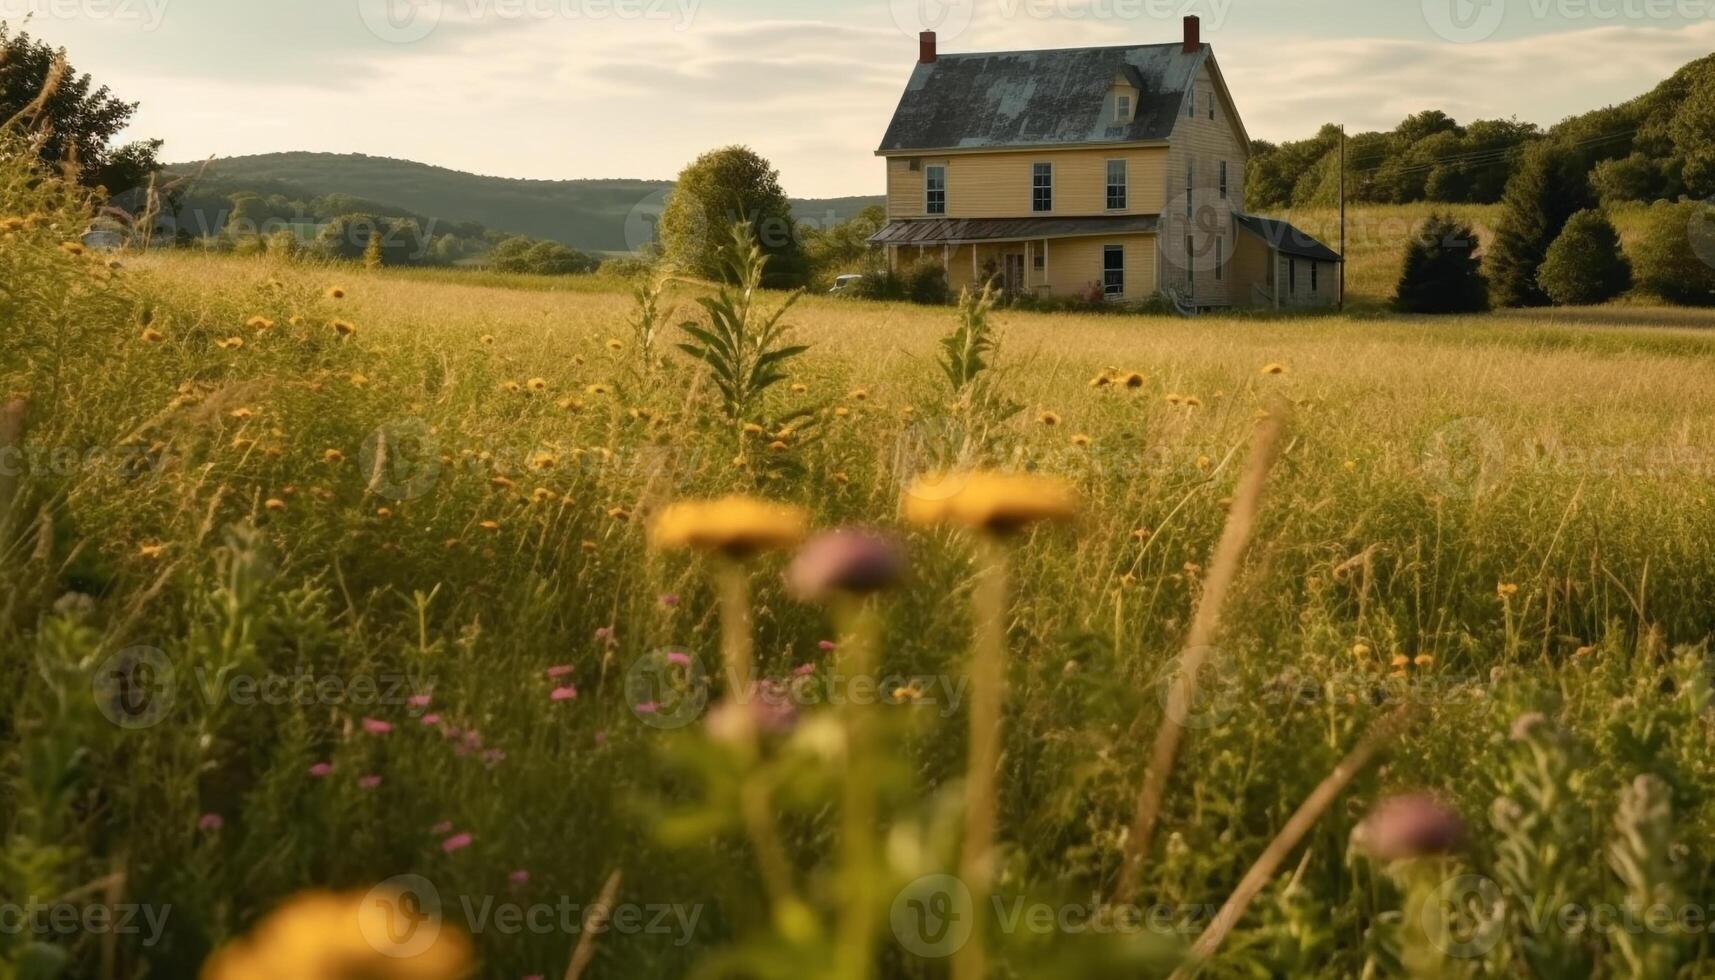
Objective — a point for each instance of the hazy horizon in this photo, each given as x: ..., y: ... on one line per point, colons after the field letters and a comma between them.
x: 634, y: 89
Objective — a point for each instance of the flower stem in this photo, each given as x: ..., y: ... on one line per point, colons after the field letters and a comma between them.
x: 859, y: 629
x: 988, y: 697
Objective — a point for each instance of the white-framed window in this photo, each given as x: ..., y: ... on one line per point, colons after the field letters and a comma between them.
x: 1220, y: 259
x: 1223, y: 180
x: 935, y: 189
x: 1117, y: 185
x: 1122, y: 108
x: 1113, y: 270
x: 1042, y: 187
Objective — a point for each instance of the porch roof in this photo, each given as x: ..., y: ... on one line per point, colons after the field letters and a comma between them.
x: 966, y: 231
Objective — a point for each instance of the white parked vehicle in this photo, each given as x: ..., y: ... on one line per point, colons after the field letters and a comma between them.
x: 844, y: 284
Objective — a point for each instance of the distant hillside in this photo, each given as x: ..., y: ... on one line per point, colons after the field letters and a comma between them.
x: 585, y: 214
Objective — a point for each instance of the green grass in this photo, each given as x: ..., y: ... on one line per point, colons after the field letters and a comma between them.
x: 1567, y: 453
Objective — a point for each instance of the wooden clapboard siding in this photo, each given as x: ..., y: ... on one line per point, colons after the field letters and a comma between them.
x: 998, y: 185
x: 1203, y: 144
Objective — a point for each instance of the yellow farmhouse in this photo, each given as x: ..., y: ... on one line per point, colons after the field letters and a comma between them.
x: 1112, y: 173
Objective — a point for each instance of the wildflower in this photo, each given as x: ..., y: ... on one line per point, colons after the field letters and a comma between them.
x: 259, y: 323
x: 321, y: 769
x: 486, y: 338
x: 71, y: 248
x: 321, y: 934
x: 431, y: 719
x: 1400, y: 661
x: 1424, y: 660
x: 679, y: 658
x: 151, y: 551
x: 1102, y: 380
x: 1350, y: 466
x: 370, y: 781
x: 1506, y: 590
x: 570, y: 404
x: 778, y: 447
x: 537, y: 384
x: 230, y: 343
x: 1274, y: 369
x: 555, y: 673
x: 1081, y: 441
x: 376, y: 726
x: 752, y: 429
x: 542, y: 495
x: 859, y: 394
x: 489, y: 525
x: 1526, y: 724
x: 359, y: 379
x: 598, y: 390
x: 567, y: 693
x: 995, y: 502
x: 275, y: 504
x: 619, y: 513
x: 333, y: 456
x: 1409, y: 826
x: 544, y: 461
x: 511, y: 387
x: 1141, y: 534
x: 1192, y: 401
x: 842, y: 478
x: 646, y: 708
x: 343, y: 327
x: 846, y: 561
x: 335, y: 292
x: 211, y: 822
x: 736, y: 526
x: 384, y: 513
x: 1175, y: 399
x: 419, y: 700
x: 1361, y: 650
x: 606, y: 636
x: 241, y: 414
x: 670, y: 601
x: 152, y: 336
x: 841, y: 412
x: 827, y: 646
x: 1134, y: 380
x: 614, y: 345
x: 800, y: 388
x: 456, y: 842
x: 503, y: 483
x: 1049, y: 418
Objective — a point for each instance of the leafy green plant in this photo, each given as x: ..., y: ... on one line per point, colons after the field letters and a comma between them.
x: 744, y: 348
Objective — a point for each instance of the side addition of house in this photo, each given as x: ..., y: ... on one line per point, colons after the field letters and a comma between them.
x: 1113, y: 172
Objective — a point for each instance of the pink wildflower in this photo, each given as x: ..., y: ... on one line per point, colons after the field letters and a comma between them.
x: 555, y: 673
x: 375, y: 726
x: 369, y: 782
x: 566, y: 693
x: 211, y: 822
x: 321, y: 769
x: 456, y: 842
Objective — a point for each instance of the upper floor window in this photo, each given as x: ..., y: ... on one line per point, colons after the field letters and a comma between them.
x: 1223, y: 180
x: 1117, y: 185
x: 1191, y: 105
x: 1211, y: 105
x: 935, y: 190
x: 1122, y: 108
x: 1042, y: 187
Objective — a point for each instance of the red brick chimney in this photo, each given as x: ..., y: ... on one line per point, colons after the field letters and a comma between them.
x: 926, y: 48
x: 1193, y: 34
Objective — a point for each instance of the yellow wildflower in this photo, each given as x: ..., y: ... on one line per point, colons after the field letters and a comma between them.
x: 322, y: 934
x: 736, y: 526
x: 537, y: 384
x: 335, y: 292
x: 230, y: 343
x: 1274, y: 369
x: 333, y: 456
x: 1049, y: 418
x: 152, y: 336
x: 275, y: 504
x: 343, y: 328
x: 996, y: 502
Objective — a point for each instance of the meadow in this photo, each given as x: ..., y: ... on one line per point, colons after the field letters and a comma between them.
x: 381, y: 541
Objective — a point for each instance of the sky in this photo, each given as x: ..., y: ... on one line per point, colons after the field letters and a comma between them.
x: 560, y: 89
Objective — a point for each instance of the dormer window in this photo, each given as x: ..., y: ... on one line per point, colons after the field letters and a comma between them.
x: 1122, y: 109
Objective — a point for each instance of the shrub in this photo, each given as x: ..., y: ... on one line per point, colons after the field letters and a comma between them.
x: 1548, y: 189
x: 1585, y: 264
x: 926, y: 283
x: 1442, y: 273
x: 1676, y: 260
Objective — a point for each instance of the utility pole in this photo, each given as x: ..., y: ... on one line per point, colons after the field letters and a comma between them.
x: 1342, y: 217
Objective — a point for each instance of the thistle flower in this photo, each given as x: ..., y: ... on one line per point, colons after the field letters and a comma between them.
x: 848, y: 561
x: 1411, y: 826
x: 736, y: 526
x: 211, y: 822
x: 321, y: 770
x: 994, y: 502
x: 376, y: 726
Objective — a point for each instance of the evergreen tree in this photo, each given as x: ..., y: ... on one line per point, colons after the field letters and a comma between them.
x: 1549, y: 187
x: 1442, y: 273
x: 1585, y: 265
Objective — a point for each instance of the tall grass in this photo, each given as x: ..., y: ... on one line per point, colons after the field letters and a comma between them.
x: 1484, y: 516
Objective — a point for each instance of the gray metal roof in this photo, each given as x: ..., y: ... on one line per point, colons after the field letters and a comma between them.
x: 1037, y: 98
x: 960, y: 231
x: 1286, y: 238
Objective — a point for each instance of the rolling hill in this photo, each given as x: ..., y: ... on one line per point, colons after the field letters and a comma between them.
x: 595, y: 215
